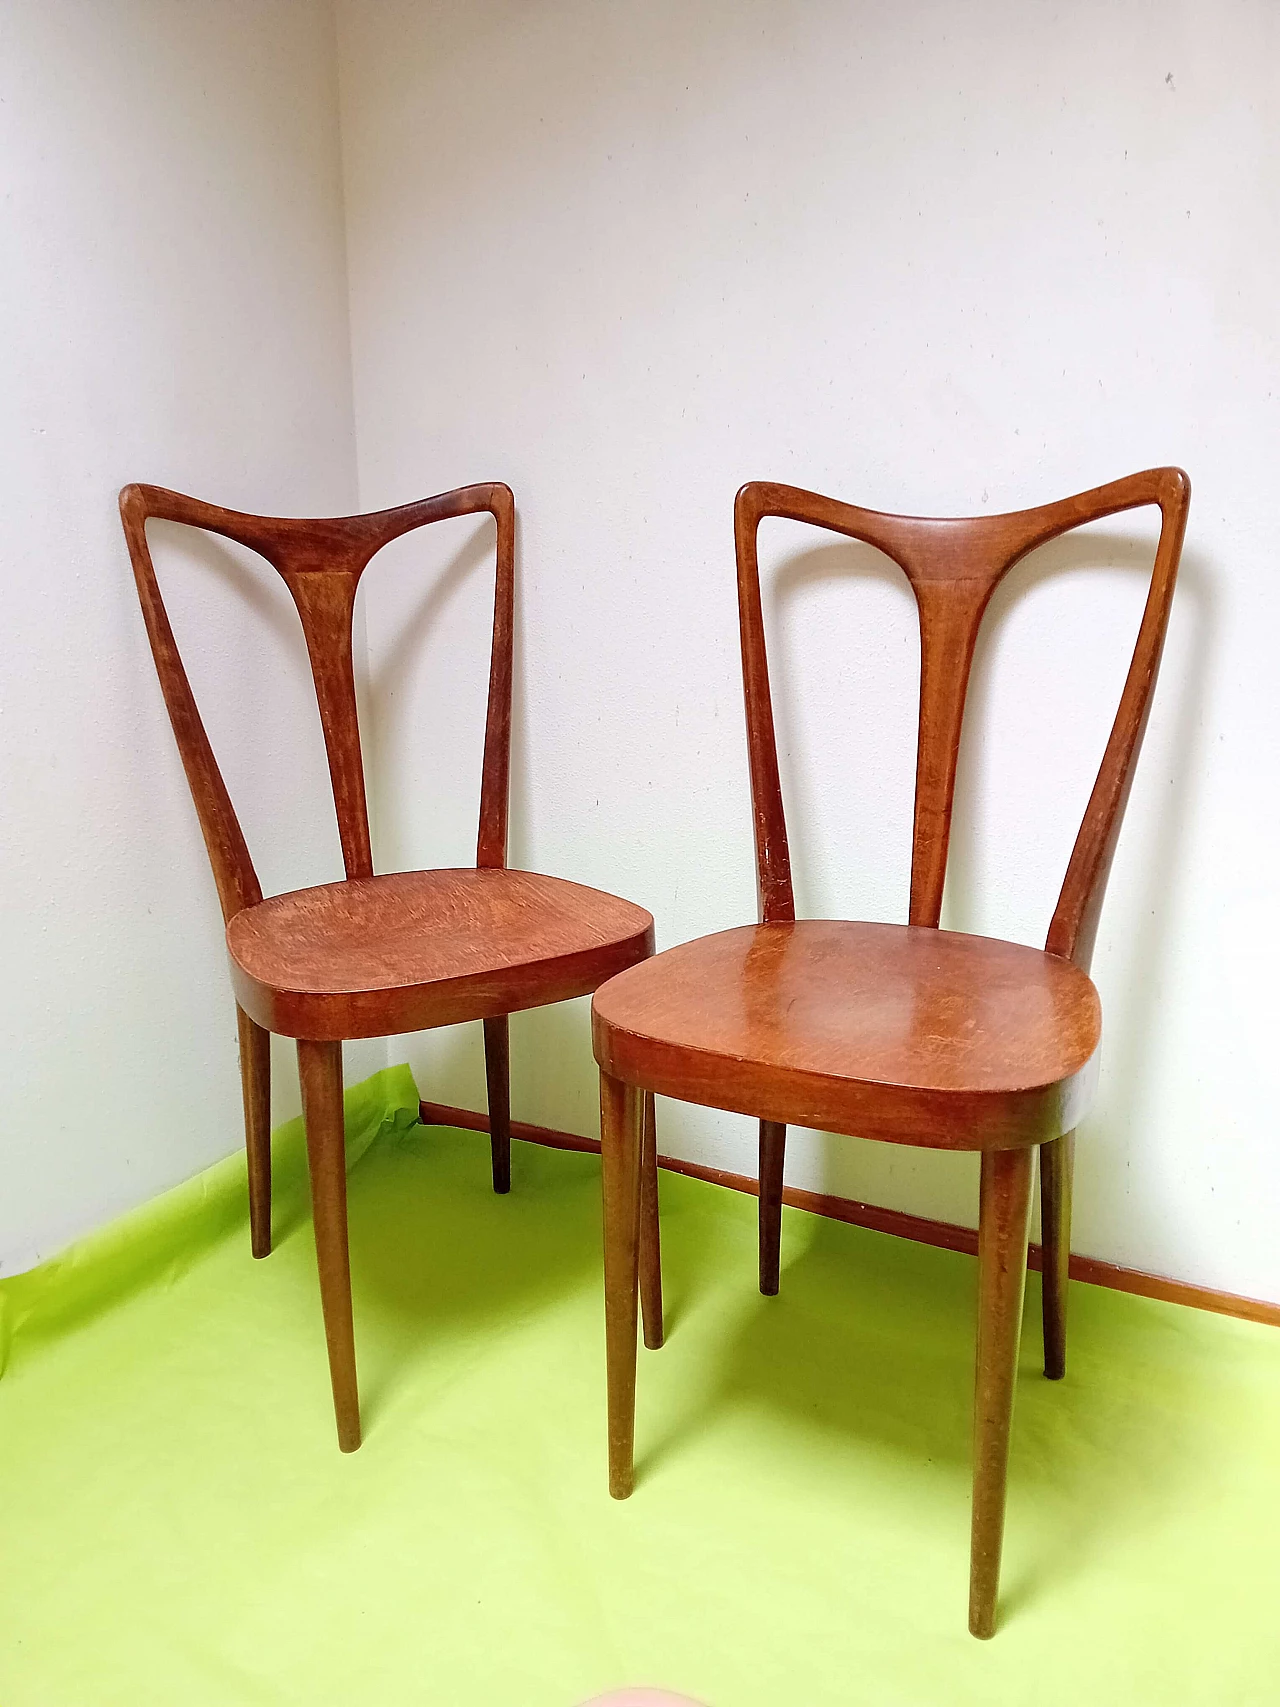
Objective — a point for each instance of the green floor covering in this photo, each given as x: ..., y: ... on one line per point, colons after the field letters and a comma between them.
x: 178, y: 1527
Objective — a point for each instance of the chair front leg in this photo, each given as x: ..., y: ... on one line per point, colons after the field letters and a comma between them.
x: 773, y: 1153
x: 1057, y: 1165
x: 255, y: 1088
x: 497, y: 1072
x: 1003, y: 1227
x: 620, y: 1146
x: 650, y: 1231
x: 320, y: 1070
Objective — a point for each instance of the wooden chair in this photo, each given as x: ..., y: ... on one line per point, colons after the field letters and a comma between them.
x: 905, y: 1033
x: 375, y: 956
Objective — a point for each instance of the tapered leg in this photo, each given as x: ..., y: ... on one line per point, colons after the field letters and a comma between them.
x: 320, y: 1069
x: 773, y: 1150
x: 1057, y: 1164
x: 620, y: 1147
x: 1003, y: 1227
x: 497, y: 1072
x: 650, y: 1233
x: 255, y: 1086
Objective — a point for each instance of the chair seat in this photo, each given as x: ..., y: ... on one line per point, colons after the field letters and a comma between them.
x: 897, y: 1032
x: 376, y: 956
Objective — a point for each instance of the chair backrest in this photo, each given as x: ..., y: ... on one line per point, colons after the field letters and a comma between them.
x: 321, y: 563
x: 954, y: 566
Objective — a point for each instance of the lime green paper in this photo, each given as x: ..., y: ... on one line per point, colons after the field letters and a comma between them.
x: 158, y: 1242
x: 177, y: 1525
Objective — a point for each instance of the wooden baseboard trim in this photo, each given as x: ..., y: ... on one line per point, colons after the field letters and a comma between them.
x: 945, y: 1234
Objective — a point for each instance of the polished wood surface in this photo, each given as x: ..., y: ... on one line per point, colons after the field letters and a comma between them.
x: 907, y: 1033
x: 1057, y: 1164
x: 882, y: 1031
x: 371, y: 956
x: 943, y: 1235
x: 376, y: 956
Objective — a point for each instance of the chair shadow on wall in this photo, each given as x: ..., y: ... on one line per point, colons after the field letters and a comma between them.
x: 817, y: 1353
x: 1133, y: 982
x: 253, y: 587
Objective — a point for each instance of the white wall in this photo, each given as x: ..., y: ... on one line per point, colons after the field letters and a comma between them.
x: 173, y: 309
x: 929, y: 258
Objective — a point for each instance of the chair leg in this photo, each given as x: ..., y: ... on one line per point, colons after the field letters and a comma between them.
x: 620, y: 1146
x: 1003, y: 1228
x: 1057, y: 1165
x: 255, y: 1087
x: 497, y: 1072
x: 320, y: 1070
x: 650, y: 1233
x: 773, y: 1150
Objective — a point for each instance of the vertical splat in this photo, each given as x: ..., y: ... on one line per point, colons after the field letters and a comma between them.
x: 953, y: 567
x: 950, y: 614
x: 326, y: 604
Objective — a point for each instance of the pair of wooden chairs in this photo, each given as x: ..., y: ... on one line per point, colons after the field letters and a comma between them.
x: 907, y: 1033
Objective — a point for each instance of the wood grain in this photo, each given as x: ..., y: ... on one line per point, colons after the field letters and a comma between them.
x: 377, y: 956
x: 914, y: 1035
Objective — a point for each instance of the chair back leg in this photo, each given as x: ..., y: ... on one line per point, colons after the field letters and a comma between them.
x: 320, y: 1070
x: 1057, y: 1165
x: 1003, y: 1227
x: 255, y: 1087
x: 497, y: 1072
x: 773, y: 1151
x: 650, y: 1232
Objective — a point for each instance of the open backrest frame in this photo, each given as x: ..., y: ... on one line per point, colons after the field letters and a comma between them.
x: 321, y: 562
x: 954, y: 566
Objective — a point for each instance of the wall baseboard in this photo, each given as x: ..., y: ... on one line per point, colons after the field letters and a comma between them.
x: 945, y: 1234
